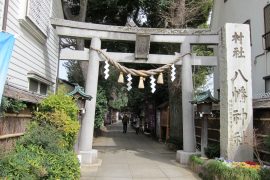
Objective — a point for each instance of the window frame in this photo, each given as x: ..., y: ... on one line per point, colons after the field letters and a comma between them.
x: 266, y: 84
x: 39, y: 87
x: 34, y: 88
x: 29, y: 25
x: 41, y: 80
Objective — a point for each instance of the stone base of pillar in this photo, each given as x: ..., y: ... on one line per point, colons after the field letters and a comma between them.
x: 183, y: 157
x: 89, y: 157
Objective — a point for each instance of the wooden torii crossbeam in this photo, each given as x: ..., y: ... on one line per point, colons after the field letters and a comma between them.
x: 96, y: 32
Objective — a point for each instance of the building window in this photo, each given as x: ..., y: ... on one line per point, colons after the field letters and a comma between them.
x: 267, y: 83
x: 43, y: 88
x: 38, y: 11
x: 225, y: 1
x: 33, y: 85
x: 266, y: 36
x: 38, y: 84
x: 35, y: 17
x: 38, y: 87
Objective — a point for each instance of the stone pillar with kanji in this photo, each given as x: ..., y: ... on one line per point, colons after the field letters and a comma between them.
x: 236, y: 122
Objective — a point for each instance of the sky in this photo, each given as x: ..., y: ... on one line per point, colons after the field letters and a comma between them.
x: 62, y: 70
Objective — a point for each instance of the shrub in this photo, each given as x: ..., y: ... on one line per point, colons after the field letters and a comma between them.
x: 196, y: 164
x: 40, y: 154
x: 60, y: 111
x: 34, y: 162
x: 12, y: 105
x: 265, y: 173
x: 212, y: 151
x: 62, y: 122
x: 45, y: 136
x: 60, y: 102
x: 217, y: 169
x: 196, y: 159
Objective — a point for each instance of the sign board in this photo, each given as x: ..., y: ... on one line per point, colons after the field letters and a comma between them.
x: 142, y: 46
x: 236, y: 123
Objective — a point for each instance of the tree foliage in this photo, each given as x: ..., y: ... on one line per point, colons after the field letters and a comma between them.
x: 113, y: 12
x: 74, y: 72
x: 148, y: 13
x: 114, y: 91
x: 200, y: 73
x: 101, y: 107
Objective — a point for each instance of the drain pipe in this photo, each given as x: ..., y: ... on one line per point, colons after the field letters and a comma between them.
x: 5, y: 14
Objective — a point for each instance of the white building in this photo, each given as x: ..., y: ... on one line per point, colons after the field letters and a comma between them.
x: 34, y: 63
x: 257, y: 14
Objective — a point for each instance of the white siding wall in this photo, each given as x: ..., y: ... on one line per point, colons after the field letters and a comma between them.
x: 29, y: 54
x: 238, y: 12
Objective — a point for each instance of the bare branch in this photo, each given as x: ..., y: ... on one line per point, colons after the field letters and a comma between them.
x: 180, y: 13
x: 256, y: 145
x: 67, y: 43
x: 67, y: 5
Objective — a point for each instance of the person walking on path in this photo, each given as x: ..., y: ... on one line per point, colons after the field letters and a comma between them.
x: 125, y: 123
x: 137, y: 125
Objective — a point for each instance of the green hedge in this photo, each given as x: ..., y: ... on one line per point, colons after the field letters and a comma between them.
x: 196, y: 160
x: 223, y: 170
x: 219, y: 169
x: 40, y: 154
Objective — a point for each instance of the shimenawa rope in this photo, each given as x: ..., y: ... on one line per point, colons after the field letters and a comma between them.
x: 134, y: 72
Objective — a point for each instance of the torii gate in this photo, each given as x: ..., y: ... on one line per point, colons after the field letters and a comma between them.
x: 97, y: 32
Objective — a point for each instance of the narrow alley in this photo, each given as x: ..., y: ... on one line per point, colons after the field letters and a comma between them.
x: 133, y: 157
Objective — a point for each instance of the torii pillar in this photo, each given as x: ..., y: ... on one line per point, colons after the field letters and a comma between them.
x: 89, y: 155
x: 189, y: 143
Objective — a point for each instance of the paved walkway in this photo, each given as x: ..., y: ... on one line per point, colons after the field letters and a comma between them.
x: 133, y: 157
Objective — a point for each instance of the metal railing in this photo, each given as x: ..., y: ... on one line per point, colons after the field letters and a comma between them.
x: 265, y: 95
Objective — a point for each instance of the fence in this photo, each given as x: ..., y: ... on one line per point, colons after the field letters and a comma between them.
x: 12, y: 126
x: 264, y: 95
x: 261, y: 123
